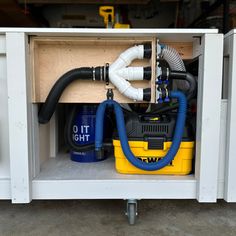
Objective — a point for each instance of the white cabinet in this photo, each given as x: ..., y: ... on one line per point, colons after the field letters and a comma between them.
x: 230, y: 93
x: 39, y: 171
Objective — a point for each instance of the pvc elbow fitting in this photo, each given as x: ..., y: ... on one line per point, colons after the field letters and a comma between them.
x: 127, y: 57
x: 136, y: 52
x: 134, y: 94
x: 132, y: 53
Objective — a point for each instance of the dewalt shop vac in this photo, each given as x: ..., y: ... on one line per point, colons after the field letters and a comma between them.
x: 159, y: 141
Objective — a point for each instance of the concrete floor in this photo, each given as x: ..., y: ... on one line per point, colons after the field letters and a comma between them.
x: 105, y: 217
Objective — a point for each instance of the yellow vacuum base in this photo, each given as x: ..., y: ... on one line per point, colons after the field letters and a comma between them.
x: 181, y: 165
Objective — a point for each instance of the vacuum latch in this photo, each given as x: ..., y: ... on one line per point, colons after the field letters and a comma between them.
x: 156, y: 143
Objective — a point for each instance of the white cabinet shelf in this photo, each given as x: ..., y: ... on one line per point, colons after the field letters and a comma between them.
x: 62, y: 168
x: 61, y: 177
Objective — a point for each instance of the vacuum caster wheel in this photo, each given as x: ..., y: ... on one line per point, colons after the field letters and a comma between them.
x: 131, y: 211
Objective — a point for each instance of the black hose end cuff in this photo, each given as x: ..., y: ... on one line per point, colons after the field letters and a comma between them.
x: 43, y: 117
x: 147, y: 94
x: 147, y: 73
x: 165, y: 73
x: 41, y: 120
x: 178, y: 74
x: 99, y: 154
x: 99, y: 73
x: 147, y: 50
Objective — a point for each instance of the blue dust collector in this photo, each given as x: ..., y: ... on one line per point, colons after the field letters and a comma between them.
x: 83, y: 133
x: 80, y: 133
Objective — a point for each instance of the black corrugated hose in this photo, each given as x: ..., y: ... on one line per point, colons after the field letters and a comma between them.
x: 83, y: 73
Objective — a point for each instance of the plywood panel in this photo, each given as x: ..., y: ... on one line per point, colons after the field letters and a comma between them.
x: 51, y: 57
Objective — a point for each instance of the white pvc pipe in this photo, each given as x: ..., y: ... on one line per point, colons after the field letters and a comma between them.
x: 131, y: 73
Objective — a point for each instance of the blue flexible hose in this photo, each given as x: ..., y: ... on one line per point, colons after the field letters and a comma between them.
x: 179, y: 129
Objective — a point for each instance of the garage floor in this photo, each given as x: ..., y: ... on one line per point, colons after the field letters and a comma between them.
x: 105, y: 217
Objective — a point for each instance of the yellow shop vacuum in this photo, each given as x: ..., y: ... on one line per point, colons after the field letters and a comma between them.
x: 150, y: 138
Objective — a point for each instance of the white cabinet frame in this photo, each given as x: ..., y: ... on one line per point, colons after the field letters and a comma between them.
x: 230, y: 83
x: 23, y: 135
x: 5, y: 192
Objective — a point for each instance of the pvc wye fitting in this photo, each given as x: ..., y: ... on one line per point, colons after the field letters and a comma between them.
x: 125, y: 87
x: 119, y: 74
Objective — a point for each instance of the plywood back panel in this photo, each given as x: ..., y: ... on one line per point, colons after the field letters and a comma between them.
x: 52, y: 57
